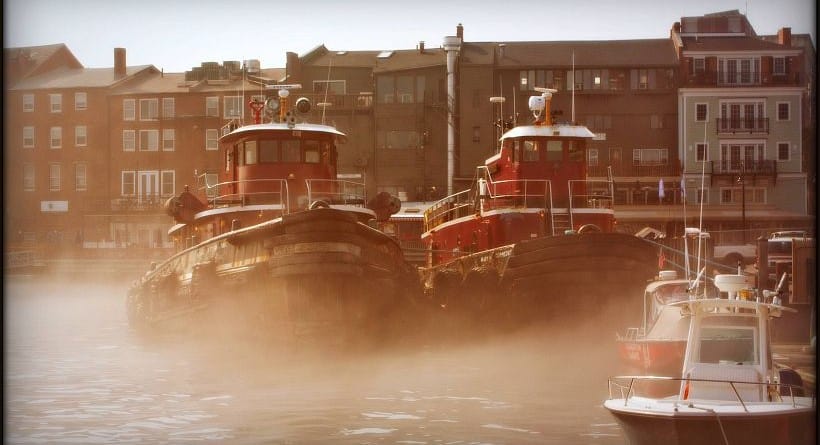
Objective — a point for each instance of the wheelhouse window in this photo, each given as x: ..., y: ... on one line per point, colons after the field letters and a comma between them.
x: 531, y: 151
x: 290, y: 150
x: 268, y: 151
x: 555, y: 151
x: 312, y: 152
x: 250, y: 152
x: 728, y: 344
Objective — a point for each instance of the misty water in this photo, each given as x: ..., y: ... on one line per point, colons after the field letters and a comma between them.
x: 75, y: 373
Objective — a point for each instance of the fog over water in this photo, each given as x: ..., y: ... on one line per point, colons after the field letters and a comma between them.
x: 75, y: 373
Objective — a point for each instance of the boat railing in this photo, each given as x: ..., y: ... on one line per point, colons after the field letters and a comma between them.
x: 449, y: 208
x: 626, y: 387
x: 633, y: 334
x: 590, y: 194
x: 336, y: 191
x: 251, y: 191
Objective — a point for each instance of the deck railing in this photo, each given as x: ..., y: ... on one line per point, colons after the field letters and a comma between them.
x: 221, y: 194
x: 336, y: 191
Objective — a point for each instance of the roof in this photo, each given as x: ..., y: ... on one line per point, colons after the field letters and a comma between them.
x: 559, y: 130
x: 587, y: 53
x: 713, y: 44
x: 391, y: 60
x: 79, y: 78
x: 282, y: 128
x: 29, y: 58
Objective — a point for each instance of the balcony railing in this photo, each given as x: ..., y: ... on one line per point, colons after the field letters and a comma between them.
x: 714, y: 78
x: 746, y: 167
x: 752, y: 125
x: 634, y: 170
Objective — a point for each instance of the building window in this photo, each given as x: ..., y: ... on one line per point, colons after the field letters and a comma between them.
x: 592, y: 157
x: 56, y: 102
x: 129, y: 109
x: 167, y: 107
x: 233, y: 106
x: 28, y: 177
x: 702, y: 196
x: 212, y: 106
x: 168, y: 139
x: 701, y: 113
x: 650, y: 156
x: 128, y: 140
x: 779, y: 66
x: 397, y: 139
x: 211, y: 139
x: 28, y: 103
x: 701, y: 152
x: 735, y: 195
x: 28, y: 137
x: 149, y: 140
x: 783, y: 152
x: 738, y: 71
x: 329, y: 89
x: 56, y: 140
x: 698, y: 65
x: 80, y: 100
x: 148, y: 109
x: 783, y: 111
x: 385, y: 89
x: 80, y: 177
x: 167, y: 183
x: 80, y: 136
x: 54, y: 177
x: 128, y: 184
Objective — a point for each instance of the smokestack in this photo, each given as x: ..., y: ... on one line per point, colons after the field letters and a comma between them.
x: 460, y: 32
x: 784, y: 36
x: 421, y: 46
x: 119, y: 62
x: 452, y: 45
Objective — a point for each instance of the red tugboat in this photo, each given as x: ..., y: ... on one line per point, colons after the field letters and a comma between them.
x: 533, y: 231
x: 279, y: 245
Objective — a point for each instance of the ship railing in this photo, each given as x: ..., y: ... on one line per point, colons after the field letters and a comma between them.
x: 453, y: 206
x: 511, y: 193
x: 677, y: 390
x: 590, y: 194
x: 336, y: 191
x: 263, y: 191
x: 632, y: 334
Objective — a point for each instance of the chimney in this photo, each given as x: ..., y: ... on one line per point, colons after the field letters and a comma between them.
x: 421, y: 46
x: 460, y: 32
x: 293, y: 67
x: 501, y: 47
x: 119, y: 61
x: 784, y: 36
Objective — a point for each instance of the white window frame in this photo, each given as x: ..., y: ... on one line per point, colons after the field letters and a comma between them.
x: 211, y: 139
x: 788, y: 151
x: 167, y: 182
x: 28, y: 103
x: 702, y: 195
x: 129, y: 140
x: 232, y: 107
x: 168, y: 107
x: 56, y: 101
x: 661, y: 154
x: 80, y: 100
x: 168, y: 139
x: 55, y: 139
x: 592, y: 157
x: 788, y: 111
x: 54, y: 173
x: 28, y: 177
x: 80, y: 136
x: 779, y: 70
x: 149, y: 109
x: 754, y: 195
x: 28, y: 137
x: 126, y: 182
x: 80, y: 177
x: 129, y: 109
x: 149, y: 140
x: 212, y: 106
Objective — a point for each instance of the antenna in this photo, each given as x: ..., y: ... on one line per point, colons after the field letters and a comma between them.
x: 573, y: 87
x: 327, y: 88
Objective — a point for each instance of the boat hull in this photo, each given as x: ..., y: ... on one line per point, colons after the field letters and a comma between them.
x: 316, y: 273
x: 785, y: 425
x: 527, y: 281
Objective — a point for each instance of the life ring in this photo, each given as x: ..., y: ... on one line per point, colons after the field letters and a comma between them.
x: 589, y: 228
x: 319, y: 204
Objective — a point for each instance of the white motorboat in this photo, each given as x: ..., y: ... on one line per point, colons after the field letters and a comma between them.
x: 729, y: 391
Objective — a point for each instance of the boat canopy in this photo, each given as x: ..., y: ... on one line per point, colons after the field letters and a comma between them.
x: 561, y: 130
x: 267, y: 128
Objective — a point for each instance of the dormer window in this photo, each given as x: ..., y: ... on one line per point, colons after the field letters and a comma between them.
x: 779, y: 67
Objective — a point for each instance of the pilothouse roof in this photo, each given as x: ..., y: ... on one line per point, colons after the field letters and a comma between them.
x: 282, y: 127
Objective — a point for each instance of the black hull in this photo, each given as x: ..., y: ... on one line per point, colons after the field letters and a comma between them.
x: 778, y: 428
x: 314, y: 273
x: 530, y: 280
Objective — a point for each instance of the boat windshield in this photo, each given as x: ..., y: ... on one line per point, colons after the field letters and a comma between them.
x: 728, y: 344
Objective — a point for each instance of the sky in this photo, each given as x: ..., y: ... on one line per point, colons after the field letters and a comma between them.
x: 177, y: 35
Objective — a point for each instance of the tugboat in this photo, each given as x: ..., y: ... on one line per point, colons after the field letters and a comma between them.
x: 729, y: 390
x: 533, y: 232
x: 278, y: 245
